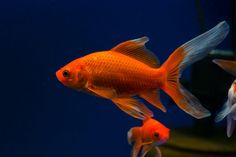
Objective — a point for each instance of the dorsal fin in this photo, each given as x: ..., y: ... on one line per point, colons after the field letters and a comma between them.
x: 137, y: 50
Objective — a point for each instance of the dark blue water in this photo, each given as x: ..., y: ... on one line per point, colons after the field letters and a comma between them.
x: 41, y: 117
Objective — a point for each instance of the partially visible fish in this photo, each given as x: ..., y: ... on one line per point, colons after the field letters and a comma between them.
x: 130, y: 69
x: 147, y: 137
x: 229, y: 66
x: 229, y: 108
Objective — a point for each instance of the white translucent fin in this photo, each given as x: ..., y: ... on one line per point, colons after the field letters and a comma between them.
x: 151, y: 150
x: 229, y: 66
x: 230, y: 126
x: 224, y: 112
x: 200, y: 46
x: 133, y: 107
x: 136, y: 49
x: 146, y: 149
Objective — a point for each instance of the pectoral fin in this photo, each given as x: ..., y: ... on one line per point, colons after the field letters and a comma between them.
x: 153, y: 97
x: 151, y: 150
x: 133, y: 107
x: 102, y: 92
x: 146, y: 149
x: 136, y: 148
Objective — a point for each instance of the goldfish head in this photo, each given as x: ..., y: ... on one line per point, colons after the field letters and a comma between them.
x: 72, y: 75
x: 159, y: 135
x: 155, y: 131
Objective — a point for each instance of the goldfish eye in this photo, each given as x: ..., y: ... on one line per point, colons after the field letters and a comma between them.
x: 156, y: 134
x: 66, y: 73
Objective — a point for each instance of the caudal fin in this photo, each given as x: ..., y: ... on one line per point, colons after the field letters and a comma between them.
x: 183, y: 57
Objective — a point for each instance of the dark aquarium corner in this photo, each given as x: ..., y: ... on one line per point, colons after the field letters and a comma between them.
x: 40, y: 117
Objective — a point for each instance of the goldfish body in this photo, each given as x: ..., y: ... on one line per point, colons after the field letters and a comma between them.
x: 150, y: 135
x: 229, y: 108
x: 130, y: 69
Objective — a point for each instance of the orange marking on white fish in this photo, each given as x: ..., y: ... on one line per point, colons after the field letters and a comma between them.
x: 234, y: 87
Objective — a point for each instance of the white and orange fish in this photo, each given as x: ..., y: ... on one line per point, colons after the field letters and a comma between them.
x: 130, y: 69
x: 229, y: 108
x: 147, y: 137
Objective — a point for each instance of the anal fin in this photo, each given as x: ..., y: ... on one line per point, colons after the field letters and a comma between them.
x: 153, y: 97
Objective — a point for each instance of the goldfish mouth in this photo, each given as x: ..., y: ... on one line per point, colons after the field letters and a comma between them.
x: 59, y: 75
x: 61, y: 78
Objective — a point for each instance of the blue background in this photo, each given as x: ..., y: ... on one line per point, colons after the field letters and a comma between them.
x: 41, y: 117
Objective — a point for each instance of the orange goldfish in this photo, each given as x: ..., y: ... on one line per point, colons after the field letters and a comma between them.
x: 150, y: 135
x: 229, y: 108
x: 130, y: 69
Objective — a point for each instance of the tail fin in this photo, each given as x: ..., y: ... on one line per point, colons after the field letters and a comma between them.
x: 183, y: 57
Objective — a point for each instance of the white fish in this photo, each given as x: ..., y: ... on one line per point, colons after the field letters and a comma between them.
x: 229, y: 108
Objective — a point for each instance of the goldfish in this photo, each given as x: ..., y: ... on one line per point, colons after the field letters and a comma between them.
x: 229, y: 108
x: 130, y: 70
x: 147, y: 137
